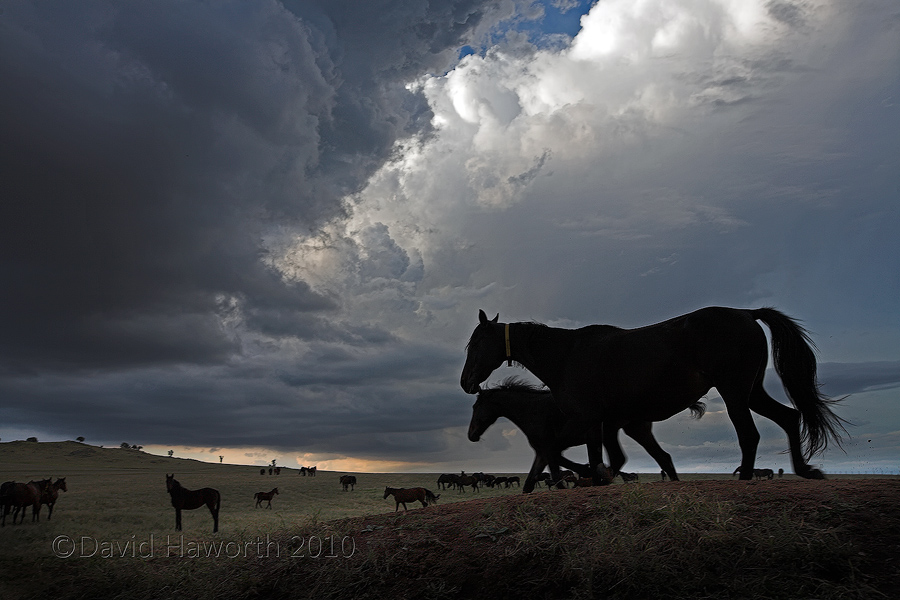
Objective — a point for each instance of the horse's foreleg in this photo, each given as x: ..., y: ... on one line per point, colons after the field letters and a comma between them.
x: 595, y: 456
x: 613, y: 447
x: 642, y: 433
x: 178, y: 519
x: 537, y: 467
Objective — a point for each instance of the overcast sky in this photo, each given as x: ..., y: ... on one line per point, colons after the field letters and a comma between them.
x: 264, y: 230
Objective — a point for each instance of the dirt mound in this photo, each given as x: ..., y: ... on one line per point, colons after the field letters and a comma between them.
x: 699, y: 539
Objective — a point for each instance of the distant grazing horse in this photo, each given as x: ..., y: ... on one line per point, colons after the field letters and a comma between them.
x: 51, y: 493
x: 451, y: 479
x: 465, y: 480
x: 630, y: 477
x: 185, y: 499
x: 763, y: 473
x: 303, y: 471
x: 311, y: 471
x: 262, y: 471
x: 606, y: 376
x: 22, y: 495
x: 265, y: 496
x: 348, y: 481
x: 549, y: 431
x: 404, y: 495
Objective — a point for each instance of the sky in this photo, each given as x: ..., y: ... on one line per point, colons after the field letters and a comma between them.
x: 264, y: 230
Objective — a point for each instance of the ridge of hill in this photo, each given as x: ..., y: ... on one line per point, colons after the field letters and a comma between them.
x: 33, y: 458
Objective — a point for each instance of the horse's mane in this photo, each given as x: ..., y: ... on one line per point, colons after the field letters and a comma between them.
x: 516, y: 384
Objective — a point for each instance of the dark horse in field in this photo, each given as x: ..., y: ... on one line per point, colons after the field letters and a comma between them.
x: 404, y: 495
x: 550, y: 431
x: 260, y: 497
x: 348, y: 481
x: 20, y: 496
x: 185, y: 499
x: 51, y: 493
x: 606, y: 376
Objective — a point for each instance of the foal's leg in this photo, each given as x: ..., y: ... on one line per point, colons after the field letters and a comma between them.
x: 788, y: 419
x: 642, y: 433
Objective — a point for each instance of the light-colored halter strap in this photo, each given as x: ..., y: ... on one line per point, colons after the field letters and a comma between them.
x: 508, y: 355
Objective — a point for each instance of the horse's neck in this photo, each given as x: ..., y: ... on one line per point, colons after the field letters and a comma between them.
x: 516, y: 409
x: 542, y: 350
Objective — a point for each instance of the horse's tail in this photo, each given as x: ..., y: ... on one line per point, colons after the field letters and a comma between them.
x: 698, y: 409
x: 430, y: 497
x: 795, y: 363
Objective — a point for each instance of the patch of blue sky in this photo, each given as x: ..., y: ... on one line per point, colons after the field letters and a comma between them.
x: 558, y: 18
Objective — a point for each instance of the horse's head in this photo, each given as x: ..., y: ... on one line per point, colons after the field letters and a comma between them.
x: 387, y: 492
x: 485, y: 352
x: 484, y: 414
x: 61, y: 484
x: 171, y: 483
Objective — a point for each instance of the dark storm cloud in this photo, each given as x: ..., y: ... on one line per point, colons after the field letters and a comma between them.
x: 146, y: 148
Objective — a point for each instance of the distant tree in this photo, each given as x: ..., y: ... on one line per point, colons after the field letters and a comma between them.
x: 220, y: 458
x: 31, y: 439
x: 125, y: 445
x: 80, y: 438
x: 171, y: 452
x: 274, y: 460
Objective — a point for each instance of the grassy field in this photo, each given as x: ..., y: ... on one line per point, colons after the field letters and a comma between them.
x: 112, y: 534
x: 114, y: 492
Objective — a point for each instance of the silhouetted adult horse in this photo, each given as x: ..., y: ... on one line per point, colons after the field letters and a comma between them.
x: 348, y: 481
x: 185, y: 499
x: 605, y: 375
x: 404, y: 495
x: 550, y: 431
x: 261, y: 497
x: 51, y: 493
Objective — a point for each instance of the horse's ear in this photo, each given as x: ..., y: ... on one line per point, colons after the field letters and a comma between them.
x: 482, y: 318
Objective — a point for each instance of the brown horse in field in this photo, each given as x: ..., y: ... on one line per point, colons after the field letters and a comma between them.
x: 20, y: 496
x: 265, y: 496
x: 51, y: 493
x: 348, y: 481
x: 404, y: 495
x: 185, y: 499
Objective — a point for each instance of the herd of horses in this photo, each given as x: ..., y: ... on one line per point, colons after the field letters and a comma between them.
x: 600, y: 379
x: 17, y: 497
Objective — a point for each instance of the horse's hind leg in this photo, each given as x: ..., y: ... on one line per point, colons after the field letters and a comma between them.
x: 736, y: 401
x: 214, y: 511
x: 642, y: 433
x: 788, y: 419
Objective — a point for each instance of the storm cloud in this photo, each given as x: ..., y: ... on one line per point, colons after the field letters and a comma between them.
x: 271, y: 224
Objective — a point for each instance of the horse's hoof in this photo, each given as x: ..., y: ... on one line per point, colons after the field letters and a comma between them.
x: 812, y: 474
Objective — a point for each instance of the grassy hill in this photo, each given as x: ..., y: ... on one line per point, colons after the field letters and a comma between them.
x: 112, y: 536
